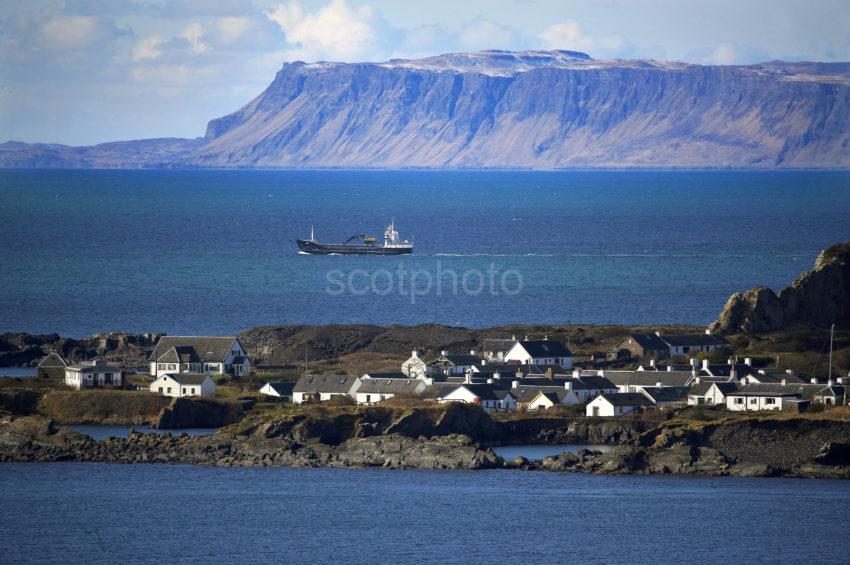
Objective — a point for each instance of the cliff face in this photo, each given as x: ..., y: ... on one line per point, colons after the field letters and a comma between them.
x: 818, y: 298
x: 539, y: 110
x: 534, y: 109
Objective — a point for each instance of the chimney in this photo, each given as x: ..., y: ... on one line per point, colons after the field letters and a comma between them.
x: 784, y: 381
x: 748, y: 361
x: 568, y: 385
x: 472, y: 352
x: 708, y: 331
x: 497, y: 375
x: 513, y: 337
x: 789, y: 371
x: 733, y: 373
x: 550, y: 374
x: 658, y: 334
x: 489, y: 381
x: 830, y: 382
x: 705, y: 364
x: 652, y: 362
x: 515, y: 384
x: 415, y: 354
x: 694, y: 362
x: 545, y: 337
x: 444, y: 352
x: 669, y: 367
x: 696, y: 380
x: 840, y: 380
x: 526, y: 338
x: 483, y: 362
x: 576, y: 373
x: 659, y: 385
x: 814, y: 380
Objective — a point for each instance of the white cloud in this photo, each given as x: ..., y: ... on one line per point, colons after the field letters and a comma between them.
x: 485, y: 34
x: 194, y: 35
x: 335, y: 31
x: 569, y: 35
x: 70, y: 32
x: 231, y: 28
x: 724, y: 54
x: 148, y: 48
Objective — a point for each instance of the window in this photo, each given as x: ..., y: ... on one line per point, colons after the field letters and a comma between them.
x: 184, y: 390
x: 160, y: 366
x: 739, y: 401
x: 770, y: 401
x: 172, y: 367
x: 193, y: 390
x: 754, y: 401
x: 169, y: 390
x: 160, y: 390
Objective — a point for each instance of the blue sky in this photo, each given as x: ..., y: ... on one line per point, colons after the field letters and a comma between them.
x: 89, y: 71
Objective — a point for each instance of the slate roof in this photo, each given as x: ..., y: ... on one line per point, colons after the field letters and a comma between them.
x: 386, y: 375
x: 649, y: 378
x: 389, y: 386
x: 97, y: 366
x: 649, y: 341
x: 627, y: 399
x: 179, y: 354
x: 726, y: 387
x: 545, y: 348
x: 208, y: 349
x: 527, y: 393
x: 283, y: 388
x: 482, y: 391
x: 498, y: 344
x: 667, y: 394
x: 188, y: 378
x: 52, y: 360
x: 329, y: 384
x: 776, y: 378
x: 834, y: 390
x: 693, y: 340
x: 458, y: 359
x: 768, y: 389
x: 725, y: 370
x: 597, y: 382
x: 555, y: 397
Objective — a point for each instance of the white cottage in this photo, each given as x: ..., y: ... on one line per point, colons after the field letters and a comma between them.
x: 540, y: 352
x: 371, y: 391
x: 620, y: 404
x: 487, y: 396
x: 415, y: 367
x: 282, y: 389
x: 179, y: 385
x: 324, y: 387
x: 92, y: 374
x: 199, y: 354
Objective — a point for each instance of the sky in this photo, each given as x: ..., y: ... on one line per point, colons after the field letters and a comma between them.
x: 82, y: 72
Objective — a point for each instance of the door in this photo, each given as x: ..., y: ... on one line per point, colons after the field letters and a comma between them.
x: 596, y: 411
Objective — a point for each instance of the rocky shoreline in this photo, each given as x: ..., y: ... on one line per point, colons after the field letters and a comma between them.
x: 745, y: 448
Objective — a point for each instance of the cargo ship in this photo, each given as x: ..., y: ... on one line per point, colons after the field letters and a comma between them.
x: 358, y: 245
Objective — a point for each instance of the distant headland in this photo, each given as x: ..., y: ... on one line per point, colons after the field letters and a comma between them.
x: 508, y: 110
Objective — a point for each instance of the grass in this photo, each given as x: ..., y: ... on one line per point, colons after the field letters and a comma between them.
x: 110, y: 407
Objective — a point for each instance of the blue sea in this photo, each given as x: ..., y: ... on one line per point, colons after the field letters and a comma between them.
x: 84, y: 513
x: 213, y: 252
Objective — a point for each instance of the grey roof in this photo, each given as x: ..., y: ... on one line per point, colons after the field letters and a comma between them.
x: 627, y: 399
x: 726, y: 387
x: 649, y: 378
x: 649, y: 341
x: 493, y: 344
x: 283, y: 388
x: 482, y: 391
x: 527, y: 393
x: 52, y: 360
x: 700, y: 388
x: 597, y: 382
x: 329, y: 384
x: 693, y: 340
x: 390, y: 386
x: 188, y: 378
x: 179, y: 354
x: 97, y: 366
x: 208, y: 349
x: 556, y: 397
x: 832, y: 390
x: 777, y: 378
x: 772, y: 389
x: 545, y: 348
x: 725, y: 370
x: 387, y: 375
x: 667, y: 394
x: 458, y: 359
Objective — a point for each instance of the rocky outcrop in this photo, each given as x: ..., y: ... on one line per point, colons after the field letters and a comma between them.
x: 817, y: 298
x: 197, y: 413
x: 21, y: 349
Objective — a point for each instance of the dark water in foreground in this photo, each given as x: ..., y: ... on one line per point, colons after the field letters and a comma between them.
x: 71, y: 513
x: 212, y: 252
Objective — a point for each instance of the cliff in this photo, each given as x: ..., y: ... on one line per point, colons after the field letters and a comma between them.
x: 497, y: 109
x: 816, y: 298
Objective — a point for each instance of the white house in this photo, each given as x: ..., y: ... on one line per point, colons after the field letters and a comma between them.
x: 689, y: 344
x: 667, y: 397
x: 282, y: 389
x: 540, y: 352
x: 455, y: 363
x: 199, y: 354
x: 415, y: 367
x: 485, y: 395
x: 371, y: 391
x: 743, y: 401
x: 621, y: 404
x: 180, y: 385
x: 324, y: 387
x: 712, y: 394
x: 549, y: 398
x: 90, y: 374
x: 495, y: 349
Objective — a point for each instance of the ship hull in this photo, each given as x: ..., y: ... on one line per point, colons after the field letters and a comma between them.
x: 315, y: 248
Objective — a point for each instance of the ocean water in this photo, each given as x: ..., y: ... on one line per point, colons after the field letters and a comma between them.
x: 82, y: 513
x: 213, y: 252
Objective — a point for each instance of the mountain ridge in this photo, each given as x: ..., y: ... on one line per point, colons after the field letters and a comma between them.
x: 512, y: 110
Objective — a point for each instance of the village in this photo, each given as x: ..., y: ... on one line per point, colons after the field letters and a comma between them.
x: 669, y: 371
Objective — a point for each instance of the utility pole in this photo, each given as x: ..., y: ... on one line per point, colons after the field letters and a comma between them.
x: 831, y: 335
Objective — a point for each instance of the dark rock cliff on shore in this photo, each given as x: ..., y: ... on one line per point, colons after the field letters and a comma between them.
x: 817, y: 298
